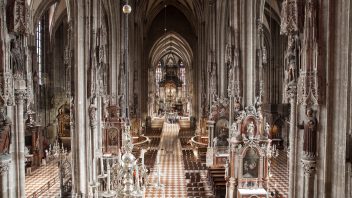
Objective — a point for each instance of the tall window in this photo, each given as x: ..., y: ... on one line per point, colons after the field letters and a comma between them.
x: 158, y: 76
x: 39, y: 42
x: 183, y: 78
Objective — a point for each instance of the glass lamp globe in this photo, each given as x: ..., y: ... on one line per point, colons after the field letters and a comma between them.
x: 126, y: 9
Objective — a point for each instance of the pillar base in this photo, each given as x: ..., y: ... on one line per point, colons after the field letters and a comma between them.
x: 210, y: 157
x: 5, y: 161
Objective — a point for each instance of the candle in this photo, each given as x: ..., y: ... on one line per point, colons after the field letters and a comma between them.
x: 108, y: 179
x: 119, y: 155
x: 137, y: 179
x: 143, y: 151
x: 101, y: 165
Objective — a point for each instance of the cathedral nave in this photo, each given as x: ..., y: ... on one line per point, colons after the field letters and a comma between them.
x: 175, y: 98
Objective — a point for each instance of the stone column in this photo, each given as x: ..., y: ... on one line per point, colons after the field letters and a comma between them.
x: 234, y: 170
x: 12, y: 169
x: 19, y: 148
x: 100, y: 111
x: 5, y: 161
x: 292, y: 94
x: 79, y: 140
x: 210, y: 151
x: 248, y: 43
x: 232, y: 192
x: 309, y: 176
x: 94, y: 142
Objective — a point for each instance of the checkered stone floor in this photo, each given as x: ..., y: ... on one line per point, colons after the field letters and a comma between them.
x: 40, y: 177
x: 279, y: 178
x: 171, y: 167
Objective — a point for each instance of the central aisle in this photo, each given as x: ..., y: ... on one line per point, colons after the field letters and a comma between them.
x: 171, y: 166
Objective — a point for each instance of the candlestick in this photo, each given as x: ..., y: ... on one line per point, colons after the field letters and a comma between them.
x: 143, y: 151
x: 101, y: 165
x: 108, y: 179
x: 119, y: 155
x: 137, y: 179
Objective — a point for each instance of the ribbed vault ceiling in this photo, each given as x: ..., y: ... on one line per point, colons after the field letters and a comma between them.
x: 171, y: 43
x: 154, y: 3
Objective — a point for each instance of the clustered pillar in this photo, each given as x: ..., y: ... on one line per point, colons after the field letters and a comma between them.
x: 5, y: 161
x: 18, y: 158
x: 210, y: 150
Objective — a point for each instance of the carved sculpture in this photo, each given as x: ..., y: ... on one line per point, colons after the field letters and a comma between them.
x: 266, y: 130
x: 310, y: 134
x: 92, y: 111
x: 289, y: 17
x: 64, y: 120
x: 17, y: 58
x: 250, y: 130
x: 234, y: 131
x: 5, y: 135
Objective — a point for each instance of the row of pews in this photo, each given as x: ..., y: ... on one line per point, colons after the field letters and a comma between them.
x: 196, y: 186
x: 216, y: 177
x: 155, y: 128
x: 185, y: 128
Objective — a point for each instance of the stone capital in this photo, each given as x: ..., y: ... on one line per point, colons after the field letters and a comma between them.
x: 292, y: 90
x: 233, y: 181
x: 5, y: 161
x: 210, y: 123
x: 20, y: 95
x: 309, y: 167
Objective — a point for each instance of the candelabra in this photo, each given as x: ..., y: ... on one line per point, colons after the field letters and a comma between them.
x: 55, y: 151
x: 125, y: 175
x: 271, y: 152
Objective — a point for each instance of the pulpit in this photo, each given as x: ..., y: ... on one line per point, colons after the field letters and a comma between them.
x: 112, y: 130
x: 64, y: 127
x: 218, y: 123
x: 34, y: 137
x: 37, y: 144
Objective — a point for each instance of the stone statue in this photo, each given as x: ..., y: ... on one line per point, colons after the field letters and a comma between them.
x: 30, y: 122
x: 310, y: 134
x: 215, y: 141
x: 235, y: 132
x: 92, y: 112
x: 227, y: 172
x: 17, y: 58
x: 250, y: 130
x: 237, y: 104
x: 266, y: 130
x: 5, y: 135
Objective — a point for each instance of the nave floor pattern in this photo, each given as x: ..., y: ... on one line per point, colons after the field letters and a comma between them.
x: 40, y: 178
x: 279, y: 179
x: 171, y: 166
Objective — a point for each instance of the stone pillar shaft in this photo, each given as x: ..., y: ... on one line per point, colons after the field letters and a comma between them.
x: 309, y: 176
x: 292, y: 153
x: 12, y: 168
x: 5, y: 161
x: 100, y: 111
x: 79, y: 139
x: 210, y: 150
x: 93, y: 150
x: 231, y: 193
x: 210, y: 133
x: 19, y: 148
